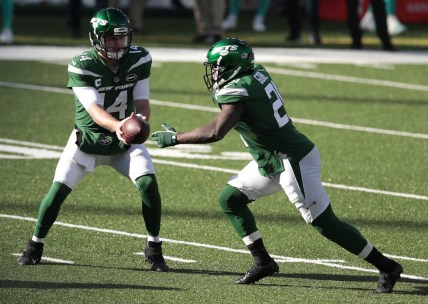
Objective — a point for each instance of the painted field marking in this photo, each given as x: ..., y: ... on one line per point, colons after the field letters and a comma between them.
x: 215, y: 110
x: 170, y: 258
x: 406, y: 258
x: 44, y: 152
x: 338, y: 186
x: 47, y: 259
x: 351, y: 79
x: 202, y: 245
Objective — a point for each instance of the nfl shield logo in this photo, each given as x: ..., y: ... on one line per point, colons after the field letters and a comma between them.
x: 116, y: 79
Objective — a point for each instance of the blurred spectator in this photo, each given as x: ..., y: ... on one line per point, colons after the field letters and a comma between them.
x: 292, y: 9
x: 74, y: 18
x: 100, y: 4
x: 136, y: 15
x: 135, y: 12
x: 379, y: 13
x: 208, y: 16
x: 74, y: 15
x: 178, y: 5
x: 294, y: 18
x: 259, y: 19
x: 7, y: 15
x: 313, y: 19
x: 395, y: 27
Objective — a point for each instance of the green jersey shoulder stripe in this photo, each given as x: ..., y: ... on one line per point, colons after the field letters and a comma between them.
x: 141, y: 61
x: 232, y: 91
x: 76, y: 70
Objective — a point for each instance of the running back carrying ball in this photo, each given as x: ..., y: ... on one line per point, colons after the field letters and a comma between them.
x: 135, y: 130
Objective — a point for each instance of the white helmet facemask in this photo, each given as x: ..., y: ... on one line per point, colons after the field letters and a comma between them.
x: 112, y: 52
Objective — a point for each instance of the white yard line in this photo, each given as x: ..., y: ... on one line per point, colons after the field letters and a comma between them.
x: 398, y: 257
x: 44, y: 152
x: 338, y: 186
x: 47, y: 259
x: 342, y: 78
x: 208, y: 246
x: 170, y: 258
x: 215, y: 110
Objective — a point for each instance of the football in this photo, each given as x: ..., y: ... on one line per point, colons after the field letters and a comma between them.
x: 135, y: 130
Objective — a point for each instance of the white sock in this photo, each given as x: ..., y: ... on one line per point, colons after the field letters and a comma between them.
x: 38, y: 240
x: 155, y: 239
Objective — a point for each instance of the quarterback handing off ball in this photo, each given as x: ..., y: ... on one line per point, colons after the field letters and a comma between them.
x: 135, y: 130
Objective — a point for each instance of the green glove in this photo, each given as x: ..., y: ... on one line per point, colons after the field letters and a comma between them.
x: 165, y: 138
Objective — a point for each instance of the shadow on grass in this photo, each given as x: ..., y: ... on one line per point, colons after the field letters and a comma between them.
x: 418, y: 289
x: 75, y: 285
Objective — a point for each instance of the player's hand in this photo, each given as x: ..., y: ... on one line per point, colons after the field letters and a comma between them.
x: 165, y: 138
x: 119, y: 128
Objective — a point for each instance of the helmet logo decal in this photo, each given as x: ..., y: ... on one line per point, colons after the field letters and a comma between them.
x: 227, y: 48
x: 96, y: 21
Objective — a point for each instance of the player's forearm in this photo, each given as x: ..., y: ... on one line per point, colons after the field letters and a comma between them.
x: 103, y: 119
x: 142, y: 107
x: 201, y: 135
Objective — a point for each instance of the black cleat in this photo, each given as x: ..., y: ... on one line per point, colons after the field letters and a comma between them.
x: 258, y: 272
x: 153, y: 255
x: 387, y: 280
x: 32, y: 254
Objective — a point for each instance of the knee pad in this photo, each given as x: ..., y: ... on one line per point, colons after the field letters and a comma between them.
x: 231, y: 198
x: 326, y: 220
x: 147, y: 183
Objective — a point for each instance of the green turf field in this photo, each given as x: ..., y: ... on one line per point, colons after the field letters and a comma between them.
x: 373, y: 141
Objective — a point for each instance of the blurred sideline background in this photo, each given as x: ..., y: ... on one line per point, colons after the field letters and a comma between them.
x: 171, y: 23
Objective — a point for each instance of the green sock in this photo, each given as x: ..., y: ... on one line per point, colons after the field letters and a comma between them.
x: 151, y: 203
x: 390, y: 7
x: 263, y: 7
x: 7, y: 13
x: 343, y: 234
x: 49, y: 208
x: 234, y: 204
x: 234, y: 7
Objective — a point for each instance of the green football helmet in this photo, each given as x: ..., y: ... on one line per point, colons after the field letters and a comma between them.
x: 110, y: 22
x: 225, y: 60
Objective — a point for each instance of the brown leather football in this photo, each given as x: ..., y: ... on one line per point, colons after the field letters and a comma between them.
x: 135, y: 130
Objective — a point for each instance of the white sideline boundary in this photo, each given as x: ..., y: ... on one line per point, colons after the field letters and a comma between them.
x: 62, y: 54
x: 327, y: 263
